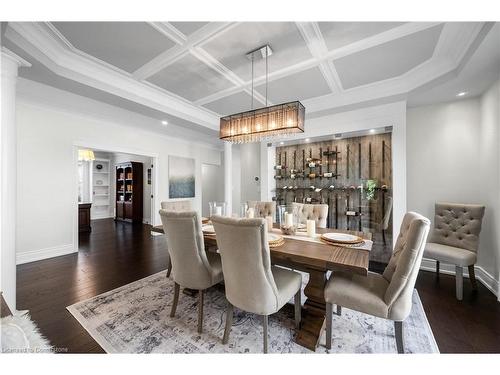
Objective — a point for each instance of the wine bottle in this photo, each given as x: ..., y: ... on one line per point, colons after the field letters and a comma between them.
x: 312, y: 175
x: 278, y: 177
x: 328, y: 174
x: 279, y: 167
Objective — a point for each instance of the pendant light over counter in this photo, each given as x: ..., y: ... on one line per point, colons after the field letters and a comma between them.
x: 263, y: 123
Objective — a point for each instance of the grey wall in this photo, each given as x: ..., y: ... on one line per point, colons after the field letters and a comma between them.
x: 452, y: 155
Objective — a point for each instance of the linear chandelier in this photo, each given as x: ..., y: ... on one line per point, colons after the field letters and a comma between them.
x: 263, y: 123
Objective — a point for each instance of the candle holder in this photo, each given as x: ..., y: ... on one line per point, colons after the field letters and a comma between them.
x: 288, y: 219
x: 217, y: 208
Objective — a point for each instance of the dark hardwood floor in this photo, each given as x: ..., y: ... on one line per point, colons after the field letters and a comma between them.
x: 114, y: 254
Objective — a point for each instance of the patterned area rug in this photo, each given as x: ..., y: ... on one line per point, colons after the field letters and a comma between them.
x: 135, y: 319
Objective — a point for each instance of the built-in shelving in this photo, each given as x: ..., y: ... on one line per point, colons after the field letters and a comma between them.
x: 101, y: 198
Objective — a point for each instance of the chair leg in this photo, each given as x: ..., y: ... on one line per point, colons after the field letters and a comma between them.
x: 169, y: 268
x: 437, y: 268
x: 459, y: 279
x: 383, y: 236
x: 264, y: 323
x: 177, y: 288
x: 329, y: 312
x: 472, y: 277
x: 298, y: 309
x: 229, y: 323
x: 398, y: 328
x: 339, y: 310
x: 200, y: 311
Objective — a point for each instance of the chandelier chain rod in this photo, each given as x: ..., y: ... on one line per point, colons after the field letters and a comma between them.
x: 251, y: 106
x: 267, y: 54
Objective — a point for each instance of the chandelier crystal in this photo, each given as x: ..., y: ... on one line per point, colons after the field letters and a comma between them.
x: 263, y: 123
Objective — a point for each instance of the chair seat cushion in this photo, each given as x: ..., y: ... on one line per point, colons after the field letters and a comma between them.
x: 288, y: 283
x: 216, y: 264
x: 449, y: 254
x: 360, y: 293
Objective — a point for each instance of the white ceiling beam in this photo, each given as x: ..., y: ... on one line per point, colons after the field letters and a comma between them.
x: 314, y: 39
x: 170, y: 31
x: 200, y: 36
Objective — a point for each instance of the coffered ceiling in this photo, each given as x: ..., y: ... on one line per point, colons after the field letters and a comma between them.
x: 194, y: 72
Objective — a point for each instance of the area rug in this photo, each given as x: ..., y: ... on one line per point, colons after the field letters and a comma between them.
x: 135, y: 319
x: 19, y: 334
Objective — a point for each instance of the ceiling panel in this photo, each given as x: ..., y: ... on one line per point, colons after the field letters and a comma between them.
x: 339, y: 34
x: 299, y: 86
x: 126, y: 45
x: 190, y: 78
x: 187, y: 28
x: 387, y: 60
x: 231, y: 47
x: 235, y: 103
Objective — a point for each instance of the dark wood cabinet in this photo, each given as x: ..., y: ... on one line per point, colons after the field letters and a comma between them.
x: 84, y: 217
x: 129, y: 191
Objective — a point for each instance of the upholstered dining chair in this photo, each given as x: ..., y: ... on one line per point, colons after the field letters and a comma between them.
x: 175, y: 206
x: 252, y: 284
x: 388, y: 295
x: 192, y: 267
x: 455, y: 239
x: 383, y: 225
x: 263, y: 209
x: 316, y: 212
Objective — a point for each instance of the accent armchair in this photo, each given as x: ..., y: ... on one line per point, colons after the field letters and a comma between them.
x: 455, y: 239
x: 192, y: 267
x: 252, y: 284
x: 263, y: 209
x: 388, y: 295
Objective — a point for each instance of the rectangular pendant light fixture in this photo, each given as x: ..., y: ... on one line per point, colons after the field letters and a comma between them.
x: 263, y: 123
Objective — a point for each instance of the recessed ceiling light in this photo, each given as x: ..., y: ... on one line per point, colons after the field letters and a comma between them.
x: 164, y: 122
x: 307, y: 139
x: 462, y: 93
x: 282, y: 143
x: 372, y: 130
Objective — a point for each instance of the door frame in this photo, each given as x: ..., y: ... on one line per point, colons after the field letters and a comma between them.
x: 112, y: 148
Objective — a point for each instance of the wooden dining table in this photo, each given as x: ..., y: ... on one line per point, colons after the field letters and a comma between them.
x: 316, y: 259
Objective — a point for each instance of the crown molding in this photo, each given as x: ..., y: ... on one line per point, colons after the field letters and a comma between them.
x: 34, y: 39
x: 18, y: 60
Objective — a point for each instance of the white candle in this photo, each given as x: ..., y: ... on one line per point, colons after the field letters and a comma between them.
x: 288, y: 220
x: 218, y: 210
x: 269, y: 220
x: 311, y: 228
x: 251, y: 213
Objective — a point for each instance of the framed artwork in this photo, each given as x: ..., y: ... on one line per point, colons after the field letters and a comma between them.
x: 181, y: 178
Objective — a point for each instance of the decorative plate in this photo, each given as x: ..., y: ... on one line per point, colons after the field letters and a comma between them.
x: 272, y: 237
x: 342, y: 238
x: 208, y: 229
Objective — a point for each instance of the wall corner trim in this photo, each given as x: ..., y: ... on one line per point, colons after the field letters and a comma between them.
x: 39, y: 254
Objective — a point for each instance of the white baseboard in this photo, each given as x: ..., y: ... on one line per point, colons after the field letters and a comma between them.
x: 49, y: 252
x: 449, y: 269
x: 99, y: 217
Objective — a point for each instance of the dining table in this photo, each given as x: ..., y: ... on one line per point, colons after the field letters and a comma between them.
x: 317, y: 259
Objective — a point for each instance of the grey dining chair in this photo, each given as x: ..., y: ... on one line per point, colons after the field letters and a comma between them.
x: 193, y: 268
x: 252, y: 283
x: 388, y: 295
x: 175, y: 206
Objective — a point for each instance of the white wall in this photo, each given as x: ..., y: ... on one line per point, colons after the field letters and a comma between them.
x: 47, y: 135
x: 212, y: 177
x: 452, y: 155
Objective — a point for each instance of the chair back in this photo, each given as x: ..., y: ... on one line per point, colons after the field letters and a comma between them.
x: 458, y: 225
x: 177, y: 206
x: 246, y: 264
x: 316, y: 212
x: 263, y: 209
x: 402, y: 271
x: 387, y: 214
x: 190, y: 267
